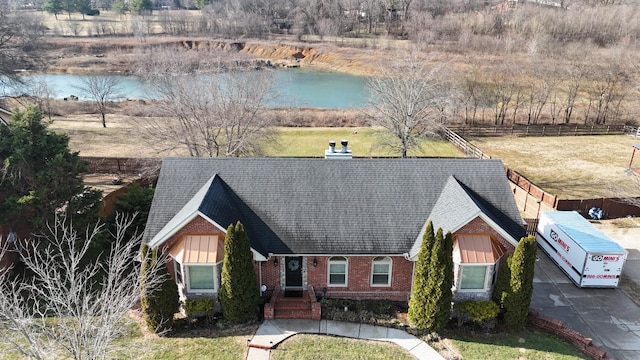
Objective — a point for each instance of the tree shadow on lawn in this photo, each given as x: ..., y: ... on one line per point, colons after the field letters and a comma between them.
x: 210, y: 328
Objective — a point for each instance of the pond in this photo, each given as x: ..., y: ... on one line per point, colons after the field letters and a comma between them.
x: 295, y: 87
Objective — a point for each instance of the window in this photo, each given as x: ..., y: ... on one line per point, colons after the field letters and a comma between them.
x: 473, y: 277
x: 201, y: 277
x: 337, y: 271
x: 381, y: 271
x: 178, y: 268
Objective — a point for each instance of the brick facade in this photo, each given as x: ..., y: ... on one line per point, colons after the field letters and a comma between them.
x: 359, y: 271
x: 359, y: 268
x: 479, y: 226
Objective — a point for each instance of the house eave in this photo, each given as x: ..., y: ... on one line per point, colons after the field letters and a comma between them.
x: 461, y: 224
x: 160, y: 239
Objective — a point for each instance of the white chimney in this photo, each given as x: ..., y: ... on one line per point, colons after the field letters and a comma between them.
x: 344, y: 153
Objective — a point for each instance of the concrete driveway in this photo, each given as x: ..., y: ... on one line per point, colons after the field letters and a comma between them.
x: 608, y: 316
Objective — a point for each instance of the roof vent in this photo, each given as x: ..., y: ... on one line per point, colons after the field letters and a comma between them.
x: 344, y: 153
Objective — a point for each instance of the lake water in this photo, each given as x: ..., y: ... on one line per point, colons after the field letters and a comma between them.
x: 295, y: 87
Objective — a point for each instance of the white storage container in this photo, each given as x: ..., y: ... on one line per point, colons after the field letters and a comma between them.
x: 586, y: 254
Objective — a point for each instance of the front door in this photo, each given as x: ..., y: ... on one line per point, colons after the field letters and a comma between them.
x: 293, y: 271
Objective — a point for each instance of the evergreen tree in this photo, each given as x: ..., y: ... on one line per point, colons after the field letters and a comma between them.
x: 69, y: 6
x: 53, y: 7
x: 518, y: 299
x: 438, y: 307
x: 418, y: 301
x: 82, y: 6
x: 239, y: 289
x: 40, y: 175
x: 503, y: 284
x: 119, y: 7
x: 140, y: 6
x: 160, y: 306
x: 137, y: 200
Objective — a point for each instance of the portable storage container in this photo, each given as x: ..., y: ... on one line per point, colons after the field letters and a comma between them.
x: 586, y: 254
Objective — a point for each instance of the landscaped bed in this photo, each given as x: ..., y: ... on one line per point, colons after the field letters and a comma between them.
x: 466, y: 342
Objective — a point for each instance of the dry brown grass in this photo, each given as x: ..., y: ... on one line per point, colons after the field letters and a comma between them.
x: 570, y: 167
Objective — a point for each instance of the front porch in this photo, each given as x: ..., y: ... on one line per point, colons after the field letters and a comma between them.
x: 288, y: 304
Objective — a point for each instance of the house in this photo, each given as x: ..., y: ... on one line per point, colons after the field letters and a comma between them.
x: 340, y: 228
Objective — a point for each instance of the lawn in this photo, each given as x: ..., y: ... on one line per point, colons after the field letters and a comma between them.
x: 229, y: 343
x: 121, y: 139
x: 571, y: 167
x: 363, y: 142
x: 525, y: 345
x: 319, y: 347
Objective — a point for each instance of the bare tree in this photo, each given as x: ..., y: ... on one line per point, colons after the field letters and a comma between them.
x: 206, y: 111
x: 606, y: 88
x: 67, y: 308
x: 43, y: 96
x: 102, y: 89
x: 405, y: 100
x: 19, y: 35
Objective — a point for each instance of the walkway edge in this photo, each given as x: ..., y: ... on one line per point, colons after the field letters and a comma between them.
x: 272, y: 332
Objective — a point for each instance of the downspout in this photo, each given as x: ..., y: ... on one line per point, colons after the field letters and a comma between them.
x: 413, y: 272
x: 260, y: 275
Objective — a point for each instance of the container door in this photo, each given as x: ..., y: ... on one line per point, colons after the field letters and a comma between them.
x: 603, y: 270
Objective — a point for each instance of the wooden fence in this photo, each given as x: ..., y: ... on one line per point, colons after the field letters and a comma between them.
x: 538, y: 130
x: 532, y: 200
x: 113, y: 165
x: 463, y: 145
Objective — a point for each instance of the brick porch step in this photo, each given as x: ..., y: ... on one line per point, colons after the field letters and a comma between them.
x: 303, y: 307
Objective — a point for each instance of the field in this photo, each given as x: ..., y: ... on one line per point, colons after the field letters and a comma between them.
x: 571, y: 167
x: 122, y: 139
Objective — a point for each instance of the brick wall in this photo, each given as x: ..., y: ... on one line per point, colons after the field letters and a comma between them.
x: 359, y: 270
x: 270, y: 273
x: 359, y: 267
x: 556, y: 327
x: 197, y: 226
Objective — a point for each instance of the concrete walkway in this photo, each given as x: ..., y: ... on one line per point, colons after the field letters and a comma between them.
x: 272, y: 332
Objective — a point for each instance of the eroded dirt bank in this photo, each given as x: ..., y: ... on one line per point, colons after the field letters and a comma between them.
x: 118, y: 55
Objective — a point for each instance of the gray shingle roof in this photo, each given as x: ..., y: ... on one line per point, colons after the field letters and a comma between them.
x: 318, y: 206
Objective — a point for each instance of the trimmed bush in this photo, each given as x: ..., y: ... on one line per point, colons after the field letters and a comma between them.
x: 518, y: 299
x: 479, y: 312
x: 503, y: 283
x: 239, y: 289
x: 199, y: 306
x: 439, y: 283
x: 418, y: 302
x: 161, y: 304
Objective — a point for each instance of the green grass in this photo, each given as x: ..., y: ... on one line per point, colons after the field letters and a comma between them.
x: 364, y: 142
x: 319, y: 347
x: 230, y: 344
x: 526, y: 345
x: 201, y: 343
